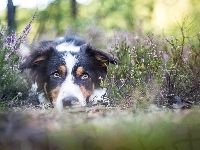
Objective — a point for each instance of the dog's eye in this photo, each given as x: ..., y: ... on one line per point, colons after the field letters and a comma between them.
x: 56, y: 74
x: 84, y: 76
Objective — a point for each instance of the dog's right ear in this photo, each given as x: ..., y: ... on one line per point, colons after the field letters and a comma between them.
x: 39, y: 56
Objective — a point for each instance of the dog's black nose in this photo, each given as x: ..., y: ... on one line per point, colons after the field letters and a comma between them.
x: 69, y: 101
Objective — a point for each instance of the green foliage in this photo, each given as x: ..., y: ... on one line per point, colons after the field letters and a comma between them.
x: 116, y: 14
x: 53, y: 15
x: 149, y: 65
x: 110, y: 15
x: 182, y: 73
x: 140, y: 64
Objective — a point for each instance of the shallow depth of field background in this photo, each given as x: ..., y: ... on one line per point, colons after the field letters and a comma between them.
x: 154, y: 91
x: 57, y: 17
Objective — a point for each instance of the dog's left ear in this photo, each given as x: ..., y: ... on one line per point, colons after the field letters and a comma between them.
x: 102, y: 57
x: 37, y: 58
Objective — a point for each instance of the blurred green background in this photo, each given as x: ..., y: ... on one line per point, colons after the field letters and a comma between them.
x: 59, y: 17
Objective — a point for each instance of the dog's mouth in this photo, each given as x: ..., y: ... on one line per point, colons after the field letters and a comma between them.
x: 72, y: 106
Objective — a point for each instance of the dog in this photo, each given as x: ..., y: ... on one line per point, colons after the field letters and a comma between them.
x: 68, y: 72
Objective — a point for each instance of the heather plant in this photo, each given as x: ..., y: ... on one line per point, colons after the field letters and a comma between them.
x: 140, y: 63
x: 153, y: 69
x: 12, y: 83
x: 182, y: 70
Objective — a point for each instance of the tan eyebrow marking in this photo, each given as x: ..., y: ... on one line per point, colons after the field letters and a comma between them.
x: 80, y: 71
x: 62, y: 69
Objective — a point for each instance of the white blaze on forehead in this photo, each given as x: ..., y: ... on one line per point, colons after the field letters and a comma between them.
x: 69, y: 47
x: 68, y: 87
x: 70, y: 62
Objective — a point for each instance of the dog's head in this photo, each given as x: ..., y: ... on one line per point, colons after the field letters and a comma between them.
x: 69, y: 72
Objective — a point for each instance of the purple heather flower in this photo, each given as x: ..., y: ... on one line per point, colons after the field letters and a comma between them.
x: 122, y: 81
x: 133, y: 62
x: 133, y: 48
x: 185, y: 59
x: 6, y: 57
x: 19, y: 94
x: 136, y: 37
x: 26, y: 31
x: 11, y: 39
x: 165, y: 56
x: 11, y: 103
x: 27, y: 28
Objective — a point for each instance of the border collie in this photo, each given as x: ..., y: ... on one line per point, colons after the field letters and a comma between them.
x: 68, y: 72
